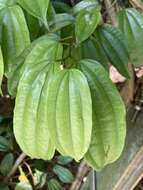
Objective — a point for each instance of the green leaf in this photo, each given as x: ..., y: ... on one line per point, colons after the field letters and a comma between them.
x: 61, y: 20
x: 23, y: 186
x: 5, y: 144
x: 61, y: 7
x: 114, y: 46
x: 1, y: 69
x: 6, y: 3
x: 4, y: 188
x: 15, y: 35
x: 37, y: 8
x: 131, y: 24
x: 86, y: 23
x: 30, y: 122
x: 33, y: 25
x: 69, y: 113
x: 90, y: 49
x: 39, y: 178
x: 85, y: 5
x: 109, y: 124
x: 53, y: 184
x: 63, y: 174
x: 6, y: 164
x: 64, y: 160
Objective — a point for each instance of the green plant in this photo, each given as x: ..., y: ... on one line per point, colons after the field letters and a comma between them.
x: 58, y: 73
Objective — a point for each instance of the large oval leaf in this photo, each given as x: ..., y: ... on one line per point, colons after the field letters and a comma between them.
x: 115, y: 47
x: 15, y: 34
x: 131, y: 24
x: 30, y: 117
x: 109, y: 126
x: 37, y: 8
x: 69, y: 113
x: 86, y: 22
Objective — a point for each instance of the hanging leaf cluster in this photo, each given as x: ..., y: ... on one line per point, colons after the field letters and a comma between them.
x: 56, y: 59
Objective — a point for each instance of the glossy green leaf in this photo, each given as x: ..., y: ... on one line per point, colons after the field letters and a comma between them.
x: 15, y: 34
x: 63, y: 174
x: 53, y: 184
x: 131, y: 24
x: 30, y: 122
x: 85, y: 5
x: 6, y: 164
x: 86, y: 23
x: 37, y: 8
x: 1, y: 69
x: 64, y: 160
x: 109, y: 124
x: 115, y: 47
x: 69, y: 113
x: 61, y: 20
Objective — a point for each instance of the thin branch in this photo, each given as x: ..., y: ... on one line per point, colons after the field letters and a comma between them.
x: 137, y: 4
x: 83, y: 171
x: 15, y: 166
x: 111, y: 12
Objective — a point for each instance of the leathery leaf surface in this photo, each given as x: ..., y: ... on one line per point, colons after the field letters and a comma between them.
x: 131, y: 24
x: 14, y: 34
x: 115, y: 47
x: 30, y: 117
x: 37, y: 8
x: 109, y: 128
x: 70, y: 113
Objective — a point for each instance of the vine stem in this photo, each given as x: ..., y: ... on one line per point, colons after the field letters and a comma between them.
x: 15, y: 166
x: 111, y: 12
x: 82, y: 172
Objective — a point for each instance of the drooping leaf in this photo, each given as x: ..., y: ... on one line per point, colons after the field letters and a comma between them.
x: 53, y: 184
x: 15, y: 34
x: 6, y: 164
x: 37, y: 8
x: 30, y: 122
x: 115, y: 47
x: 69, y: 113
x: 61, y: 20
x: 63, y: 174
x: 1, y: 69
x: 109, y: 125
x: 15, y: 74
x: 86, y: 23
x: 64, y: 160
x: 85, y: 5
x: 131, y: 24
